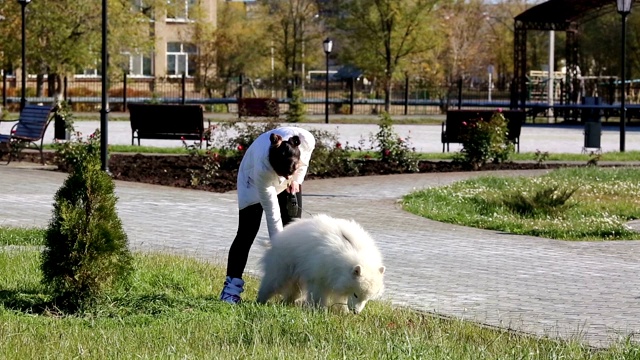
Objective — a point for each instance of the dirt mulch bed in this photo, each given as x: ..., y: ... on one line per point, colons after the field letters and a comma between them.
x: 177, y: 170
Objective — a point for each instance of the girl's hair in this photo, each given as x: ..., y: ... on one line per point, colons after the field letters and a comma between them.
x: 284, y: 156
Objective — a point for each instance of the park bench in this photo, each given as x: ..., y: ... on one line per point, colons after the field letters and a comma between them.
x: 166, y: 122
x: 28, y: 131
x: 452, y: 127
x: 258, y: 107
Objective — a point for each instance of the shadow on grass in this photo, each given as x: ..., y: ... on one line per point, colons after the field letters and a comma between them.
x: 29, y: 301
x: 35, y: 302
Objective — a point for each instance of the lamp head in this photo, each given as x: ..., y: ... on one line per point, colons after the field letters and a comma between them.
x: 327, y: 45
x: 24, y: 2
x: 624, y: 6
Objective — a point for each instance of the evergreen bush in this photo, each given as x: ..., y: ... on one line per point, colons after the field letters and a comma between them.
x: 297, y: 108
x: 86, y: 249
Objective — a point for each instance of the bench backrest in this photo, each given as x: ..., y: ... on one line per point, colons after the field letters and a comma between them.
x: 33, y: 122
x: 455, y: 118
x: 259, y: 107
x: 163, y: 118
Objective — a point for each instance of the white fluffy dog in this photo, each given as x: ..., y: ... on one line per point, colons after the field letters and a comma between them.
x: 323, y: 261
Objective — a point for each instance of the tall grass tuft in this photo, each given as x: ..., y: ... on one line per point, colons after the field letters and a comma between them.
x: 546, y: 201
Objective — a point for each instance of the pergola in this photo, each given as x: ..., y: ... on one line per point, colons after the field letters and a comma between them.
x: 557, y: 15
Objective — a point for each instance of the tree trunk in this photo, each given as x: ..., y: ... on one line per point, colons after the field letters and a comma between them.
x: 387, y: 93
x: 39, y: 84
x: 54, y: 85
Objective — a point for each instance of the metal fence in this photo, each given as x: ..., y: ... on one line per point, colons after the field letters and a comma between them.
x: 344, y: 97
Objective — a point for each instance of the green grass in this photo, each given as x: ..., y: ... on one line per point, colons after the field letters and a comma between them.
x: 605, y: 199
x: 170, y: 310
x: 21, y: 236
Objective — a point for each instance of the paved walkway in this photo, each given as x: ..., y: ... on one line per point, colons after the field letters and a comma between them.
x: 541, y: 286
x: 425, y: 138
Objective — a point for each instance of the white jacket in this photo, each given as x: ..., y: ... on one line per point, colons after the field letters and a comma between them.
x: 259, y: 183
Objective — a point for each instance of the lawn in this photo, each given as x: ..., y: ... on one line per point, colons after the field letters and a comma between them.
x: 601, y: 202
x: 170, y: 310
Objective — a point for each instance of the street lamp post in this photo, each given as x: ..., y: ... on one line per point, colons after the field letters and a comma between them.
x: 23, y: 97
x: 624, y: 8
x: 327, y: 44
x: 104, y: 108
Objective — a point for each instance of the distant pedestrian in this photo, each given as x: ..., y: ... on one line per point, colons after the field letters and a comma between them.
x: 273, y: 167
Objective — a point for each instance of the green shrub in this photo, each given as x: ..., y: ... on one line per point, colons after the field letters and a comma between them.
x: 330, y: 157
x: 546, y: 201
x: 226, y: 144
x: 297, y: 108
x: 85, y: 245
x: 485, y: 141
x: 394, y: 150
x: 234, y: 137
x: 64, y: 112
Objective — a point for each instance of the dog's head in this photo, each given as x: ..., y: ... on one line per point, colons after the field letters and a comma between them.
x: 369, y: 285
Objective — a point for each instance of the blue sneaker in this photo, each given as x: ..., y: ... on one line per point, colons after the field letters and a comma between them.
x: 233, y: 287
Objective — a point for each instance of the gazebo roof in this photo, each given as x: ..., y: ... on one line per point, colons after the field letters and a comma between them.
x: 558, y: 14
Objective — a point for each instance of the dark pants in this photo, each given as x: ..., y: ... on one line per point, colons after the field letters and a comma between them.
x: 248, y: 226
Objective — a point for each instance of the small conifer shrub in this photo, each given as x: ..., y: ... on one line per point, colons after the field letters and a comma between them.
x: 297, y: 109
x: 86, y: 249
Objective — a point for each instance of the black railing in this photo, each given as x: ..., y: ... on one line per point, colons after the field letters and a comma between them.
x: 345, y: 97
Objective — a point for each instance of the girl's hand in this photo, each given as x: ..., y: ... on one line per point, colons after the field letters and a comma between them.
x: 293, y: 187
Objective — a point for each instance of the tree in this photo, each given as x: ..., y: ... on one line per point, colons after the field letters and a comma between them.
x: 65, y: 36
x: 233, y: 47
x: 465, y: 50
x: 378, y: 36
x: 294, y: 24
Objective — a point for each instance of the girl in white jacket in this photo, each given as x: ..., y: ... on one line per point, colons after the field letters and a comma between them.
x: 274, y: 166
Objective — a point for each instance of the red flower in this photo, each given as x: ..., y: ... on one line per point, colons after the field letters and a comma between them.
x: 13, y: 131
x: 387, y: 152
x: 499, y: 110
x: 182, y: 138
x: 338, y: 145
x: 240, y: 148
x: 367, y: 156
x: 400, y: 140
x: 464, y: 123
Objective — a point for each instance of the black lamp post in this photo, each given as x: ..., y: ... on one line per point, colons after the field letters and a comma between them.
x: 104, y: 109
x: 624, y: 8
x: 327, y: 44
x: 23, y: 98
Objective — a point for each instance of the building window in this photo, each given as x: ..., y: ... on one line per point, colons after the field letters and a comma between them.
x: 88, y: 72
x: 180, y: 10
x: 140, y: 65
x: 181, y: 58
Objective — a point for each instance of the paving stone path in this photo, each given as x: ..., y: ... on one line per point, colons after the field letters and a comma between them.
x: 589, y: 290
